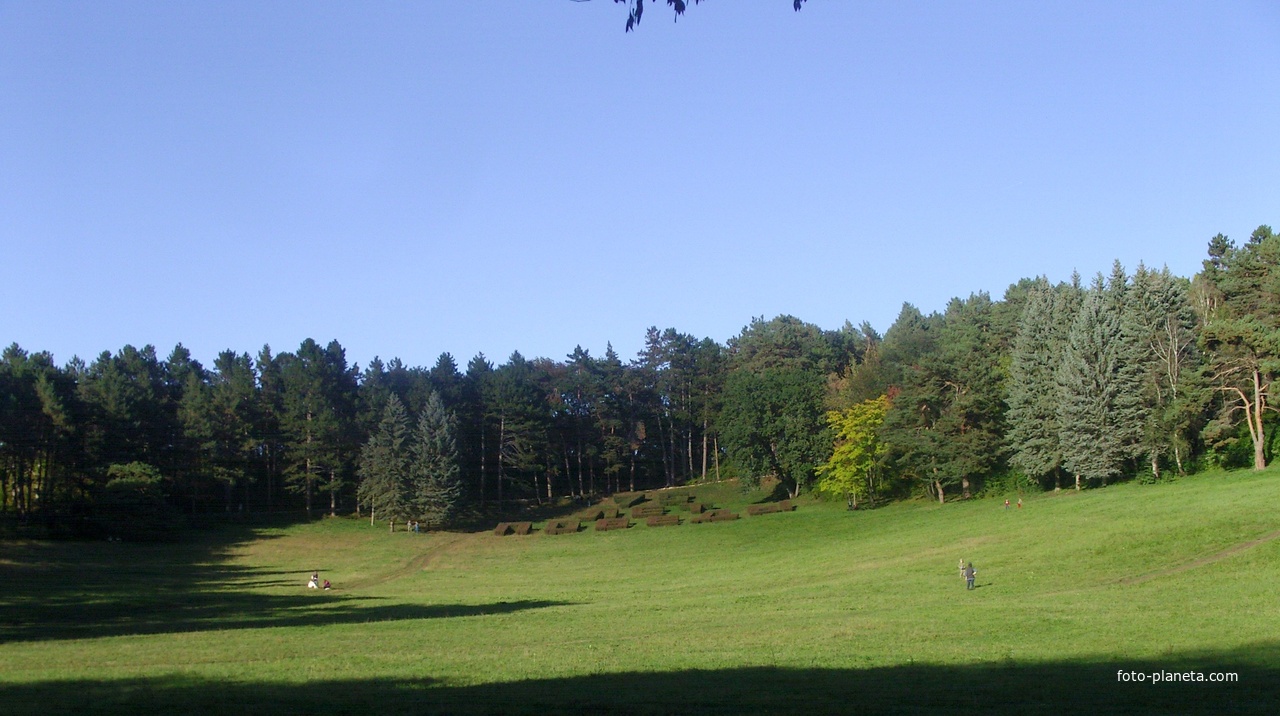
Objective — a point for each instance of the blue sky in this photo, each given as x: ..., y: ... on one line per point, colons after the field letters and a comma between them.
x: 413, y: 178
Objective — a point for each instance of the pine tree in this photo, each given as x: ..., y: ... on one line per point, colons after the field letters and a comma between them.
x: 434, y: 475
x: 1241, y: 331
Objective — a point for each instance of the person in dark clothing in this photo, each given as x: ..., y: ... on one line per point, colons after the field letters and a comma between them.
x: 969, y: 575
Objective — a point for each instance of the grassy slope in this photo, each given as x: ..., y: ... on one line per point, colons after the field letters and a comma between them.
x: 817, y: 609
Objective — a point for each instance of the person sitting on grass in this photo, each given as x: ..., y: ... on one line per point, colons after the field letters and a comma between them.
x: 314, y: 582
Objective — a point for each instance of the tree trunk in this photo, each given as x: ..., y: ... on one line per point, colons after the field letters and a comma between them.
x: 941, y: 495
x: 483, y: 473
x: 689, y: 449
x: 568, y: 468
x: 306, y: 479
x: 964, y: 488
x: 1255, y: 429
x: 704, y: 450
x: 582, y: 490
x: 717, y: 448
x: 662, y: 441
x: 502, y: 441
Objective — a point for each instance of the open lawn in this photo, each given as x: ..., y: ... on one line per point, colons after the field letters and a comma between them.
x: 813, y: 611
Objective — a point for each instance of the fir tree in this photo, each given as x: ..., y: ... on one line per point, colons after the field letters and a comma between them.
x: 384, y: 465
x: 1099, y: 417
x: 1033, y: 388
x: 434, y: 474
x: 1160, y: 324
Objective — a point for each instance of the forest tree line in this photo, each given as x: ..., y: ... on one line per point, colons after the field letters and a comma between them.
x: 1055, y: 385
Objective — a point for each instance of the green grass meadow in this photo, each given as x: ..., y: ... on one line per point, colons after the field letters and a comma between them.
x: 814, y: 611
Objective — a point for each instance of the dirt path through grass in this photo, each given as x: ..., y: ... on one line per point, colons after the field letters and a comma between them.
x: 1209, y: 559
x: 417, y: 564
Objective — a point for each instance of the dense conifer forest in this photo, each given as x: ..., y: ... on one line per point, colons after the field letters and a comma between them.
x: 1132, y: 375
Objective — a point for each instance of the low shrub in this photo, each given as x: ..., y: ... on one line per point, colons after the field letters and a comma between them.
x: 619, y: 523
x: 562, y: 527
x: 647, y: 511
x: 663, y: 521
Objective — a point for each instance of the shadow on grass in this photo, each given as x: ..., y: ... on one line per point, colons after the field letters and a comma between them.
x: 1068, y: 687
x: 84, y: 590
x: 182, y: 613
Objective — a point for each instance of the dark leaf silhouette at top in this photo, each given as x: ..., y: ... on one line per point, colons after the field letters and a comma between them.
x: 636, y: 9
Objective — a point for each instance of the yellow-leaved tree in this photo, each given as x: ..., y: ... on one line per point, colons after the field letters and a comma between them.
x: 850, y: 471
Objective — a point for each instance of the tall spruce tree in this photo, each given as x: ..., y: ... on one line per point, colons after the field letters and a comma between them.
x: 384, y: 465
x: 1034, y: 395
x: 967, y: 368
x: 1033, y: 388
x: 1160, y: 324
x: 434, y: 474
x: 1099, y: 416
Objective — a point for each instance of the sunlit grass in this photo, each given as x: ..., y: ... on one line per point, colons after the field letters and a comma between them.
x: 1122, y: 576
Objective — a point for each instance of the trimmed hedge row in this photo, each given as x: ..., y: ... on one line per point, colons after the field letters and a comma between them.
x: 617, y: 523
x: 647, y: 511
x: 714, y: 516
x: 607, y: 518
x: 562, y: 527
x: 769, y: 508
x: 627, y: 499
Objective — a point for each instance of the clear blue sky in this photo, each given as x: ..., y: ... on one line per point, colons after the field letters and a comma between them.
x: 413, y: 178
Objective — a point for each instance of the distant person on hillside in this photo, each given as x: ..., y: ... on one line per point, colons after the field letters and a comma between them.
x: 1019, y: 503
x: 327, y: 586
x: 969, y: 575
x: 961, y: 567
x: 314, y: 582
x: 1006, y: 503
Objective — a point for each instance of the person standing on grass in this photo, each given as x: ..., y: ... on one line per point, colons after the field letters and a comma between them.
x: 961, y: 567
x: 1006, y: 503
x: 969, y: 575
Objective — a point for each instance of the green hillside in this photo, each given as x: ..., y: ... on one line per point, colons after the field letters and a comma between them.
x: 818, y: 610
